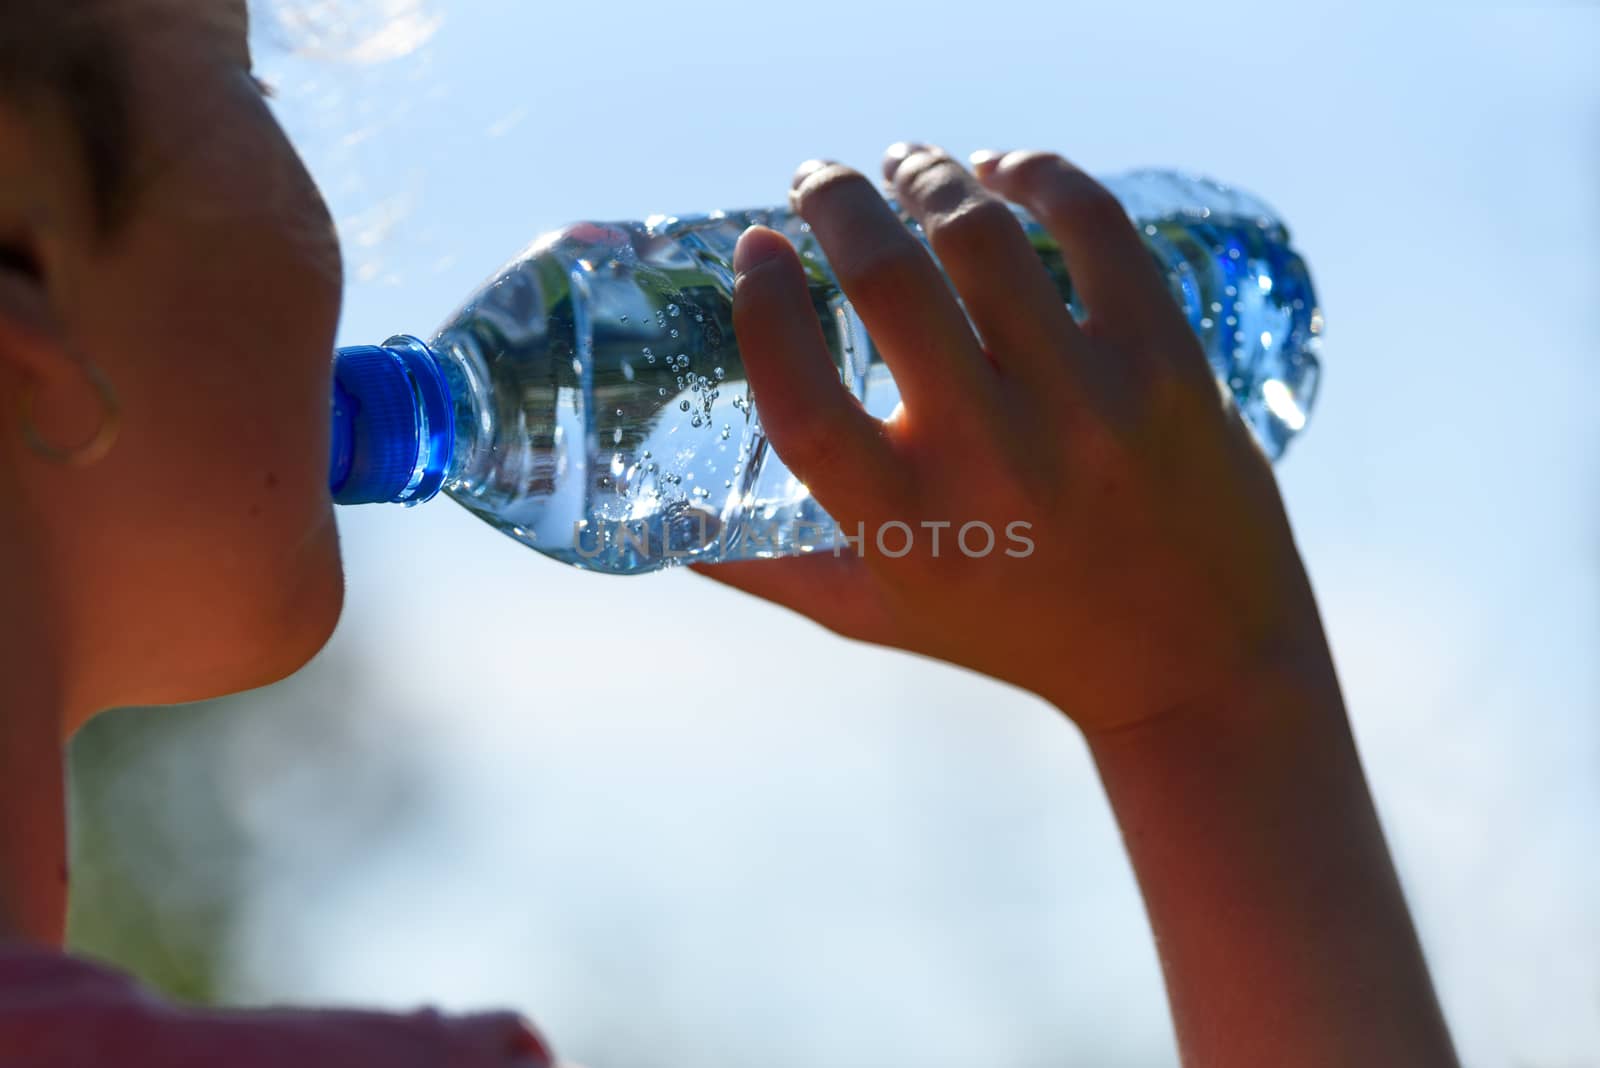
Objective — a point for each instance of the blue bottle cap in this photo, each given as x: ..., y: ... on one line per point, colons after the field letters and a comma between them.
x: 393, y: 431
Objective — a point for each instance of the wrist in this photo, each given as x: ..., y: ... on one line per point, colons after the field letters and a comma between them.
x: 1264, y: 693
x: 1260, y: 858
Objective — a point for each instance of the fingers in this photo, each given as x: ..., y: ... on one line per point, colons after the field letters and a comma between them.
x: 1016, y: 307
x: 838, y: 592
x: 900, y: 294
x: 816, y: 425
x: 1105, y: 257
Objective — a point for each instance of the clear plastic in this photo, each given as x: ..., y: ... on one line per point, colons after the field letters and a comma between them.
x: 602, y: 414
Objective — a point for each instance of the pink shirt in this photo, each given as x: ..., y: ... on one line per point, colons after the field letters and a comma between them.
x: 57, y: 1011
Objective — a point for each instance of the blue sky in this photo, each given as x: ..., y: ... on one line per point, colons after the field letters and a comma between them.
x: 796, y: 851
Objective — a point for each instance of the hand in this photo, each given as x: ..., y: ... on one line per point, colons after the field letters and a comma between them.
x: 1162, y: 565
x: 1163, y: 605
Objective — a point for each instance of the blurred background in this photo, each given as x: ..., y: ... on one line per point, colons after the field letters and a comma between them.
x: 679, y: 827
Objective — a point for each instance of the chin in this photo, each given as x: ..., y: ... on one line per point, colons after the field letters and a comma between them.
x: 303, y: 621
x: 273, y: 628
x: 236, y: 653
x: 300, y: 637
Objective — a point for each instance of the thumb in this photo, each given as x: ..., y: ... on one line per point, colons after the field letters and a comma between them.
x: 816, y: 425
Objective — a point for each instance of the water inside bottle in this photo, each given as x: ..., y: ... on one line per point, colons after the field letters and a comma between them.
x: 617, y: 432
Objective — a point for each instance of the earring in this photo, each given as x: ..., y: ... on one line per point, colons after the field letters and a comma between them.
x: 90, y: 451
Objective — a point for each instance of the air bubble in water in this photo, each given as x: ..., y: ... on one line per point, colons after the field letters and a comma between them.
x: 683, y: 406
x: 719, y: 372
x: 672, y: 310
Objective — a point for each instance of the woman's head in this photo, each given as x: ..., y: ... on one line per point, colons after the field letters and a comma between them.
x: 158, y: 232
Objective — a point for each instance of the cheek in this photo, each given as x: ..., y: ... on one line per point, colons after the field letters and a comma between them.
x: 274, y: 301
x: 216, y: 320
x: 267, y: 282
x: 238, y: 281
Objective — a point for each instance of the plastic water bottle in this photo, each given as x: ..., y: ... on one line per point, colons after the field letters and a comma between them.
x: 590, y: 401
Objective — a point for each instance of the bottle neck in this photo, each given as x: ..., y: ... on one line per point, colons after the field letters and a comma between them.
x: 393, y: 424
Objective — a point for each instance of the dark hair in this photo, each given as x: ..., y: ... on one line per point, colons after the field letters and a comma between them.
x: 64, y: 51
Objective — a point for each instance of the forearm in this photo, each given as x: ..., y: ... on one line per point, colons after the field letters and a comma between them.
x: 1282, y: 930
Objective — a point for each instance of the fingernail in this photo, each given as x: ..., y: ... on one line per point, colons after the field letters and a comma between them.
x: 807, y: 169
x: 896, y: 154
x: 984, y: 161
x: 752, y: 251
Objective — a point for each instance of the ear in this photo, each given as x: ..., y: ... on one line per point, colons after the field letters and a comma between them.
x: 46, y: 227
x: 35, y: 249
x: 30, y: 336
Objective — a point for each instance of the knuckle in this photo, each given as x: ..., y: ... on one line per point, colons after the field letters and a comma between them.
x: 1024, y: 472
x: 933, y: 181
x: 1101, y: 454
x: 828, y: 185
x: 765, y: 283
x: 1084, y: 204
x: 970, y: 228
x: 1164, y: 395
x: 890, y: 271
x: 1176, y: 369
x: 1033, y: 169
x: 762, y: 277
x: 1064, y: 192
x: 765, y: 301
x: 1179, y: 394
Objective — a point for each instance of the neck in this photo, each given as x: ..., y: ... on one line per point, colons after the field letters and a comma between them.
x: 33, y: 707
